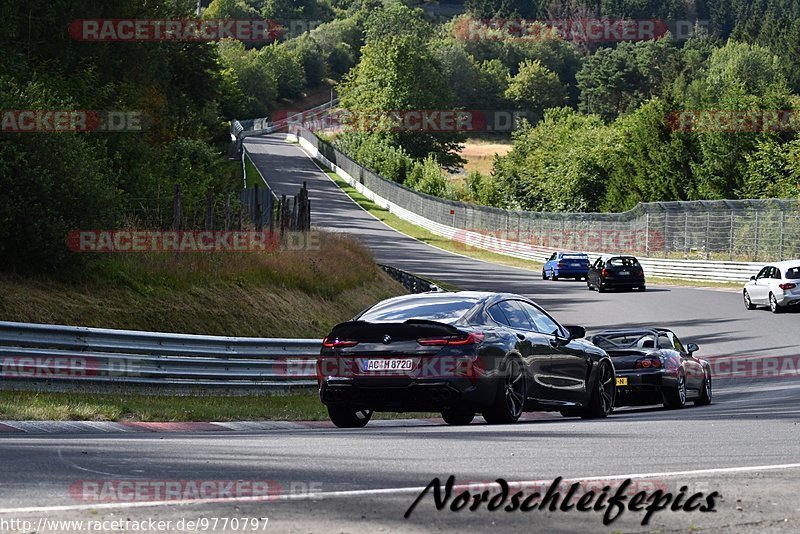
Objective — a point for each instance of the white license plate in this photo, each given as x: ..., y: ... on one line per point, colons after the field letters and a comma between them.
x: 387, y: 365
x: 624, y: 273
x: 574, y: 264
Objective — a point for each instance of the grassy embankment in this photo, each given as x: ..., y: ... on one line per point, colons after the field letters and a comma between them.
x: 286, y: 293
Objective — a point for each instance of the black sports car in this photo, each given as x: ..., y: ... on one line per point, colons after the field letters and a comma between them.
x: 460, y: 354
x: 653, y: 367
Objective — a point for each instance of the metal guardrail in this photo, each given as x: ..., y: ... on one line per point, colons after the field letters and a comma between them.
x: 54, y: 353
x: 241, y: 129
x: 413, y: 283
x: 501, y: 231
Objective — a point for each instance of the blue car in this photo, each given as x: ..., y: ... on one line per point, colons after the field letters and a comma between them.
x: 566, y: 265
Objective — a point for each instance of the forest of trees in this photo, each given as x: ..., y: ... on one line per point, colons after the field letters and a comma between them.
x: 601, y: 137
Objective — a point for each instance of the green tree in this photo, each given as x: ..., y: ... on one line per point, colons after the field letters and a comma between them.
x: 397, y: 74
x: 536, y: 88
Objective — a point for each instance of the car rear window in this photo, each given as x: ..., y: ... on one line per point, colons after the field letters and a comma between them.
x: 623, y: 262
x: 445, y: 310
x: 793, y: 273
x: 581, y: 257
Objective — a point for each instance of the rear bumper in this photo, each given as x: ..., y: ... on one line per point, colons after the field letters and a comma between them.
x: 623, y: 282
x: 409, y: 395
x: 643, y: 388
x: 572, y: 272
x: 788, y: 300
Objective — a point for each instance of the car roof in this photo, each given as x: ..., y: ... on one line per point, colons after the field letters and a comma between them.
x: 565, y: 252
x: 782, y: 265
x: 606, y: 257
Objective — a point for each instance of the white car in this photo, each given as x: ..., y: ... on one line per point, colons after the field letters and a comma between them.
x: 776, y: 285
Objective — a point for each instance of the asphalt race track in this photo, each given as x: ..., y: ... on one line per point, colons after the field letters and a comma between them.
x: 746, y: 445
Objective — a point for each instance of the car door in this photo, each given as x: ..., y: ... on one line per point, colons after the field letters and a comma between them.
x: 693, y: 370
x: 507, y: 313
x: 759, y: 289
x: 568, y: 364
x: 593, y: 270
x: 549, y: 265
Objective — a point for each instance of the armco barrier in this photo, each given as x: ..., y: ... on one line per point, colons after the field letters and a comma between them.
x: 493, y: 240
x: 52, y: 353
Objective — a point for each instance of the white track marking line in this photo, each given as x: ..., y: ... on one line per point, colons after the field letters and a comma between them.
x: 385, y: 491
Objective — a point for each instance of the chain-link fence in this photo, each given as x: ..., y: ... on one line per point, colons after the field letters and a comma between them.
x: 730, y: 230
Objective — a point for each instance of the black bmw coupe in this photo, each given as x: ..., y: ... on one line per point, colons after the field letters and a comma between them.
x: 460, y: 354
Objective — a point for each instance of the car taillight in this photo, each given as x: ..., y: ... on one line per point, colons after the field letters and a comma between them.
x: 787, y: 286
x: 473, y: 338
x: 336, y: 343
x: 647, y: 363
x: 605, y: 272
x: 561, y: 265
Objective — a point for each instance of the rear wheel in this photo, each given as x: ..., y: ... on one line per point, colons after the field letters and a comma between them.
x: 748, y: 304
x: 773, y: 304
x: 457, y: 416
x: 511, y: 395
x: 553, y: 275
x: 642, y: 288
x: 601, y: 403
x: 348, y: 417
x: 676, y: 397
x: 706, y: 393
x: 600, y: 288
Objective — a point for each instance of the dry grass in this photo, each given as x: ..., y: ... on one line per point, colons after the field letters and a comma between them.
x: 38, y: 406
x: 480, y: 155
x: 300, y: 293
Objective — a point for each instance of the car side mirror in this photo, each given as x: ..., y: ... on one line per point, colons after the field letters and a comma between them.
x: 576, y: 332
x: 753, y: 278
x: 692, y: 348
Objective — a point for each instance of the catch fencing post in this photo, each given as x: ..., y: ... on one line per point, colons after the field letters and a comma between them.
x: 755, y: 237
x: 783, y: 229
x: 733, y: 231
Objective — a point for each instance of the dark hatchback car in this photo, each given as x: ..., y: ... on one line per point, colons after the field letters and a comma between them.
x: 654, y: 367
x: 460, y: 354
x: 616, y: 272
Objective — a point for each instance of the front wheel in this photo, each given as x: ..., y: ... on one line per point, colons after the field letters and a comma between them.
x: 601, y: 402
x: 511, y: 394
x: 349, y: 418
x: 707, y: 393
x: 748, y: 304
x: 544, y: 274
x: 457, y: 416
x: 676, y: 397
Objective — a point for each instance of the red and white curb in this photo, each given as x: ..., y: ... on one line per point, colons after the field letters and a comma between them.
x: 109, y: 427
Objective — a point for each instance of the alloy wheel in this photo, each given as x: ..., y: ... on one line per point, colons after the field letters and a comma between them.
x: 682, y: 389
x: 515, y: 388
x: 606, y: 389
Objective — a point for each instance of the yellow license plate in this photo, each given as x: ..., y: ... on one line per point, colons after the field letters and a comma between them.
x: 622, y: 380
